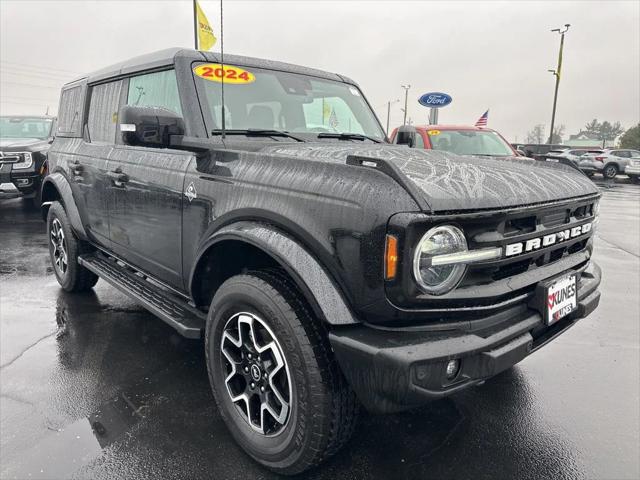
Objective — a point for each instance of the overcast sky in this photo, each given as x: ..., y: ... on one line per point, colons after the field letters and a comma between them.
x: 486, y: 55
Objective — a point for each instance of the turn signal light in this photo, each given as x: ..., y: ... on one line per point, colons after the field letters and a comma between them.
x: 391, y: 258
x: 600, y: 159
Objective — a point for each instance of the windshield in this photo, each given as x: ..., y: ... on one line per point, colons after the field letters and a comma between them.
x: 271, y: 100
x: 23, y: 127
x: 469, y: 142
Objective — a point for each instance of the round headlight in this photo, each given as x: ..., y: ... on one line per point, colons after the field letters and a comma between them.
x: 439, y: 279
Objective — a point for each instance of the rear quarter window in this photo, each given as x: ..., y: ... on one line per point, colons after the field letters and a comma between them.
x: 70, y: 112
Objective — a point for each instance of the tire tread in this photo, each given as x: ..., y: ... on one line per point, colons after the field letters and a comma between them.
x: 81, y: 278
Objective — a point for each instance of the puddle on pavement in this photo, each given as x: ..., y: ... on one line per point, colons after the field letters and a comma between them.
x: 64, y: 451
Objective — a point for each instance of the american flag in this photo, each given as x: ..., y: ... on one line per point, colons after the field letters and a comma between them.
x: 482, y: 121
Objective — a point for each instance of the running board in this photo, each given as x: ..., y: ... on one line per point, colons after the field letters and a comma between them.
x: 187, y: 320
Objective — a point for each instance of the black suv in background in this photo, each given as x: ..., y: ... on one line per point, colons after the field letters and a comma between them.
x: 323, y: 267
x: 24, y: 142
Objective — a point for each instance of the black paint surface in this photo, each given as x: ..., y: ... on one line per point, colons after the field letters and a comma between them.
x: 93, y: 386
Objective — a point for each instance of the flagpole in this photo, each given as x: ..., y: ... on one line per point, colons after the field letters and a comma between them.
x: 195, y: 25
x: 223, y: 72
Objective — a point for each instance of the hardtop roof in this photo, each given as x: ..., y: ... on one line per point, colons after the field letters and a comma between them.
x: 163, y: 58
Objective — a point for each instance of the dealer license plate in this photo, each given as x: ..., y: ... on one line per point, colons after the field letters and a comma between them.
x: 562, y: 299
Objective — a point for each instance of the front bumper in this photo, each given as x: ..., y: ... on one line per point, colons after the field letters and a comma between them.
x: 18, y: 181
x: 392, y: 370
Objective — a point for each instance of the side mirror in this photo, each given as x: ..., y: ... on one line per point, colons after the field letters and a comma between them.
x: 406, y: 136
x: 521, y: 153
x: 149, y: 126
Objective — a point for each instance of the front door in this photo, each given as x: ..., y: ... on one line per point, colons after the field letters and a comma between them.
x: 145, y: 195
x: 145, y: 209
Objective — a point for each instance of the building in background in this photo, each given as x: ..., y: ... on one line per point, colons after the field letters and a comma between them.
x: 587, y: 140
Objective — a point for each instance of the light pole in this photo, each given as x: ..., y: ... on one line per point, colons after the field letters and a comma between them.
x: 389, y: 112
x: 406, y: 96
x: 556, y: 72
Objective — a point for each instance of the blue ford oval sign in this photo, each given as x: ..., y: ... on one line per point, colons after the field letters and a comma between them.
x: 435, y: 100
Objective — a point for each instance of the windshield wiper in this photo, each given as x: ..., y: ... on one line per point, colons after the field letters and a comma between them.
x: 348, y: 136
x: 258, y: 132
x: 489, y: 155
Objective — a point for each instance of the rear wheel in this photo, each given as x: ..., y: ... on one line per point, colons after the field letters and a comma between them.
x: 610, y: 171
x: 64, y: 250
x: 273, y: 374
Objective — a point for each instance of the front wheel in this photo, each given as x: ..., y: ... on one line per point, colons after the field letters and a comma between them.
x: 610, y: 171
x: 64, y: 250
x: 273, y: 375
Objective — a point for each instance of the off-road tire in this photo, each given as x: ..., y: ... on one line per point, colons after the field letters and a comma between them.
x: 323, y: 410
x: 610, y: 171
x: 75, y: 278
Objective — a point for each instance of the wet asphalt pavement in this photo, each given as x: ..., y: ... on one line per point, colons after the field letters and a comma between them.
x: 93, y: 386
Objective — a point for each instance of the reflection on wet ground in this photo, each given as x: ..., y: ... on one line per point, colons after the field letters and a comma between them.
x: 93, y: 386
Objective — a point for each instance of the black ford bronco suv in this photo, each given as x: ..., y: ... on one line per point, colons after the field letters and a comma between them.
x: 323, y: 267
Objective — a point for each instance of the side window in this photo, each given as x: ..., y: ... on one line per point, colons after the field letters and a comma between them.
x: 159, y: 89
x: 419, y: 141
x: 70, y: 112
x: 103, y: 112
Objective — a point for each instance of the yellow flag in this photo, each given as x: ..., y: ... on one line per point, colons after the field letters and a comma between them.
x: 206, y: 38
x: 326, y: 110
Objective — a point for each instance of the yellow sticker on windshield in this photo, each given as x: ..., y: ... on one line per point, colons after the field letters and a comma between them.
x: 215, y: 72
x: 434, y: 132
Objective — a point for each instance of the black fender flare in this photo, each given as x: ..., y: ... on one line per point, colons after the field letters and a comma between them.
x: 62, y: 186
x: 322, y: 293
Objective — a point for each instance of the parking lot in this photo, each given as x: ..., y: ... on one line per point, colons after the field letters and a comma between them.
x: 93, y: 386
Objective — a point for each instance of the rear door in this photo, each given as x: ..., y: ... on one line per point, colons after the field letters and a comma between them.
x: 145, y: 201
x: 81, y: 150
x: 90, y: 168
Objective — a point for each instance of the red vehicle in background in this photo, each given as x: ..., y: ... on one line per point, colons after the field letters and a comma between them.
x: 459, y: 139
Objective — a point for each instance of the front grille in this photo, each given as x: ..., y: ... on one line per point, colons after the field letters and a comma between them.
x: 11, y: 157
x: 523, y: 226
x: 511, y: 269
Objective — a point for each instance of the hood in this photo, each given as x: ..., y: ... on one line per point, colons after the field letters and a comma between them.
x: 452, y: 182
x: 23, y: 144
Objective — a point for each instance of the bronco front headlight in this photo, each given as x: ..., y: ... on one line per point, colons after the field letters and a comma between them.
x: 442, y: 257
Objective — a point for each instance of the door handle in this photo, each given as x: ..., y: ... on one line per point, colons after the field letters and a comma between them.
x: 76, y: 168
x: 118, y: 178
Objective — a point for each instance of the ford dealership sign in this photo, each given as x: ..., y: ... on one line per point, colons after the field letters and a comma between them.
x: 435, y: 100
